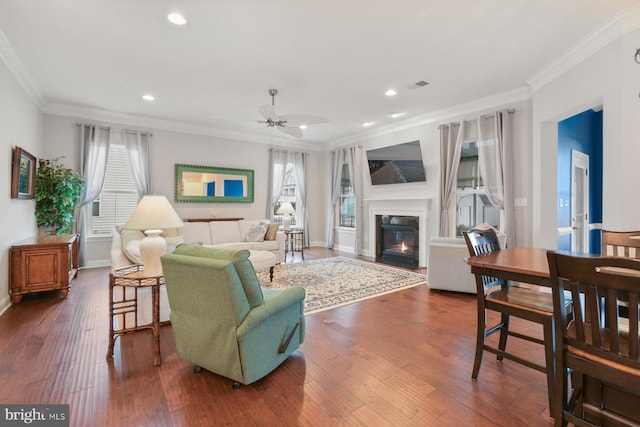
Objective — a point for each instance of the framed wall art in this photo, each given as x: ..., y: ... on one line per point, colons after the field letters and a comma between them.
x: 23, y: 174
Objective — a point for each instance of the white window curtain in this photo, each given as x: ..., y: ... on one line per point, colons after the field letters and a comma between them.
x: 299, y: 161
x: 137, y: 144
x: 94, y: 151
x: 354, y: 159
x: 451, y: 136
x: 495, y: 160
x: 278, y: 166
x: 337, y: 160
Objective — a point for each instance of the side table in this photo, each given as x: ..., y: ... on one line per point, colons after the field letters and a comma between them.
x: 294, y: 242
x: 124, y: 285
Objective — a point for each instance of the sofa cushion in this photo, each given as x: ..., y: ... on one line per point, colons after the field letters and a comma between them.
x: 241, y: 263
x: 265, y: 245
x: 131, y: 245
x: 271, y: 232
x: 196, y: 232
x: 256, y: 233
x: 224, y: 232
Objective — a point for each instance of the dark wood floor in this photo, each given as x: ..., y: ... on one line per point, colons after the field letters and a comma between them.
x: 400, y: 359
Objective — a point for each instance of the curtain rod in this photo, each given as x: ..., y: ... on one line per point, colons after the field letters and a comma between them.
x: 488, y: 116
x: 115, y: 129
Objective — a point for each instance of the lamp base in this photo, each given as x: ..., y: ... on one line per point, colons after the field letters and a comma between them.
x: 152, y: 248
x: 286, y: 222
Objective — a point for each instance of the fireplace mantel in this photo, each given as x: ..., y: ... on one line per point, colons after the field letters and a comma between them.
x: 401, y: 206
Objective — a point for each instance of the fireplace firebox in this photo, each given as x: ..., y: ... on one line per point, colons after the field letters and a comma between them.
x: 398, y: 241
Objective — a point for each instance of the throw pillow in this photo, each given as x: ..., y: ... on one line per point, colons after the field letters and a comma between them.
x: 256, y: 233
x: 271, y: 232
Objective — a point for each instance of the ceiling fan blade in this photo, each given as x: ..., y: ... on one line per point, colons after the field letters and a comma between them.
x: 296, y: 132
x: 295, y: 120
x: 268, y: 112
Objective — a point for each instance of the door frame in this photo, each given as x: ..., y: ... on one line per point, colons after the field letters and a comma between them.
x: 579, y: 160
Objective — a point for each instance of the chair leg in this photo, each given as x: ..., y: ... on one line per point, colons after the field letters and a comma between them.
x: 504, y: 333
x: 480, y: 337
x: 550, y: 360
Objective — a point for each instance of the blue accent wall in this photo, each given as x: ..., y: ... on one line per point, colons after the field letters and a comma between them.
x: 582, y: 132
x: 233, y: 188
x: 211, y: 188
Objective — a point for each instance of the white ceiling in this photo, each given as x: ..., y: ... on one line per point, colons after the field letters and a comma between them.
x: 333, y: 58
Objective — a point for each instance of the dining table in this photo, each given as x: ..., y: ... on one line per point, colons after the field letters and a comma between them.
x: 518, y: 263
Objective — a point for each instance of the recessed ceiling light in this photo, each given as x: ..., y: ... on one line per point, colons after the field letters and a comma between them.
x: 303, y: 126
x: 148, y: 97
x: 176, y: 18
x: 391, y: 92
x: 395, y: 115
x: 367, y: 124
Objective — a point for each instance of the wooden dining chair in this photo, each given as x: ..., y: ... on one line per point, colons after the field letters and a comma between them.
x: 509, y: 300
x: 621, y: 243
x: 596, y: 344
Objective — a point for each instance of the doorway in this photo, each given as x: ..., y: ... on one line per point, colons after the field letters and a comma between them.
x: 579, y: 201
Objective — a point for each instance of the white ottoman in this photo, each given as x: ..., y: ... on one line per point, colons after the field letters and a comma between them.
x: 263, y: 259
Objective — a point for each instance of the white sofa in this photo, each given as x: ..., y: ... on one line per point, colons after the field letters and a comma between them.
x: 240, y: 234
x: 233, y: 235
x: 446, y: 266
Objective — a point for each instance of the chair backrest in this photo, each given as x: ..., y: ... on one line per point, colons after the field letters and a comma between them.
x: 482, y: 242
x: 595, y: 329
x: 621, y: 243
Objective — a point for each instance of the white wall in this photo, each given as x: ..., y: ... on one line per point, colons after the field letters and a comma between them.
x: 609, y: 78
x: 168, y: 148
x: 429, y: 137
x: 20, y: 125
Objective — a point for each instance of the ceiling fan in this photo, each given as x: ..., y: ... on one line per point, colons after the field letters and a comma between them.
x: 291, y: 124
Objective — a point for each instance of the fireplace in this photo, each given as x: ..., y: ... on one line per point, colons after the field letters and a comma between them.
x: 397, y: 240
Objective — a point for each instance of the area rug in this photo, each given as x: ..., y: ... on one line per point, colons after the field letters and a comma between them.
x: 338, y: 281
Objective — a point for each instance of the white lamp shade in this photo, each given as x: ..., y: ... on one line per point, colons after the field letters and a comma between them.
x: 153, y: 214
x: 286, y: 209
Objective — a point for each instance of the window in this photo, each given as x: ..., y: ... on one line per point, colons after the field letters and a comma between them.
x: 472, y: 205
x: 288, y: 194
x: 347, y: 200
x: 118, y: 198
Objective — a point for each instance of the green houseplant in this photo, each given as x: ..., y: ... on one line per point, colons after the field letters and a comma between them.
x: 58, y: 190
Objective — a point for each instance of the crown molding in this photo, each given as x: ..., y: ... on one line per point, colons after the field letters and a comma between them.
x: 100, y: 115
x: 14, y: 64
x: 622, y: 23
x: 486, y: 104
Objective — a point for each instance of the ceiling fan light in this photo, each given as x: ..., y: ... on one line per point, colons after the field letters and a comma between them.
x: 176, y: 18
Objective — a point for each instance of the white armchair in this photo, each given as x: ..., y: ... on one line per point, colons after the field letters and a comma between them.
x: 446, y: 266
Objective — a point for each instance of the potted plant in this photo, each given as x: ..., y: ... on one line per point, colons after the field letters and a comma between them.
x: 58, y: 190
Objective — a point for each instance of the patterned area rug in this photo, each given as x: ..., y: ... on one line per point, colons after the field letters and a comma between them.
x: 334, y: 282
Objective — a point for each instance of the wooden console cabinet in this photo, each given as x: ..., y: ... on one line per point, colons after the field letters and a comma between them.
x: 43, y: 264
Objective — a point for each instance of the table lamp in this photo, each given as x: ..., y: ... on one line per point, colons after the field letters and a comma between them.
x: 287, y: 210
x: 153, y: 214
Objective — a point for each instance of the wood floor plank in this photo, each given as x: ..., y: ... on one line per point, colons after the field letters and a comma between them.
x: 403, y: 358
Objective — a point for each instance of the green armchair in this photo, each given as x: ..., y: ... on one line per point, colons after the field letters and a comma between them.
x: 222, y: 320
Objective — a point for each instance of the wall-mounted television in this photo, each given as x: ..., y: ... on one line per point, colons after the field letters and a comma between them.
x: 396, y: 164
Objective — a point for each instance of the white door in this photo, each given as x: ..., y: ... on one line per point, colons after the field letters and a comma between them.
x: 579, y: 201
